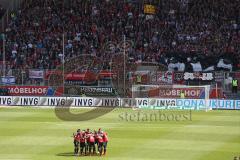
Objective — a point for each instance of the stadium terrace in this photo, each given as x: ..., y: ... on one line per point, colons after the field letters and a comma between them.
x: 160, y: 76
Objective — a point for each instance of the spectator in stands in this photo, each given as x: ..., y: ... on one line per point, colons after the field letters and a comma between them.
x: 180, y: 29
x: 234, y: 86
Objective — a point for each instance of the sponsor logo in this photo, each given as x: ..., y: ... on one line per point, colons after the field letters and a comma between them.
x: 175, y: 92
x: 27, y: 90
x: 31, y: 90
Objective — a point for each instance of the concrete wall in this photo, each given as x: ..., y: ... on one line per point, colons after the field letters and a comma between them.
x: 5, y: 3
x: 9, y: 4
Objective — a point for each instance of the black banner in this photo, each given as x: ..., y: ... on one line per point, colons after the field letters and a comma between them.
x: 91, y: 91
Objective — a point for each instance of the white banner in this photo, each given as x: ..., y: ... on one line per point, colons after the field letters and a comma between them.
x: 53, y: 101
x: 162, y: 103
x: 25, y: 101
x: 198, y: 76
x: 81, y: 101
x: 144, y: 103
x: 36, y: 74
x: 5, y: 101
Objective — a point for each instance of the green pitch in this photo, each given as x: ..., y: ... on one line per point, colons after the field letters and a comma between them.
x: 27, y: 133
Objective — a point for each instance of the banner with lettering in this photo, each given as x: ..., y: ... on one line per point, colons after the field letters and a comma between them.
x: 36, y: 74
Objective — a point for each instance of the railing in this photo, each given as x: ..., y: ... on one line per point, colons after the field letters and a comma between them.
x: 33, y: 77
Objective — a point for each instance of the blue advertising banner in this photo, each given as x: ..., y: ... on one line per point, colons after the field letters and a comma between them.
x: 237, y: 104
x: 222, y: 104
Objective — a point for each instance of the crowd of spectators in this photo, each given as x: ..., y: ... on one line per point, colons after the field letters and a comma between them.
x: 180, y: 31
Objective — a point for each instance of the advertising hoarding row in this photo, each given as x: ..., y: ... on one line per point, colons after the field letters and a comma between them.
x: 50, y: 91
x: 143, y: 103
x: 191, y: 93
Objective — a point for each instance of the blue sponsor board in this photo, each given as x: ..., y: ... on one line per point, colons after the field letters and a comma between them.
x: 222, y: 104
x: 191, y: 103
x: 237, y: 104
x: 200, y: 104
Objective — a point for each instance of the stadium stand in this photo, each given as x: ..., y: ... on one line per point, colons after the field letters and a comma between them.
x: 182, y: 35
x: 184, y: 31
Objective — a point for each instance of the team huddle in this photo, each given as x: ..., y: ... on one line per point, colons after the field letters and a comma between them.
x: 90, y: 143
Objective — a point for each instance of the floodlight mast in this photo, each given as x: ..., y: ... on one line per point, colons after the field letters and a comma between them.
x: 124, y: 65
x: 63, y: 59
x: 4, y: 55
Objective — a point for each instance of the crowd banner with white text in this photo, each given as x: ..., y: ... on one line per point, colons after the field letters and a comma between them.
x: 162, y: 77
x: 36, y: 74
x: 199, y: 76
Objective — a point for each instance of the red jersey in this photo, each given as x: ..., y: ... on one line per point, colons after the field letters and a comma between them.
x: 96, y: 137
x: 87, y: 135
x: 77, y: 137
x: 91, y: 138
x: 100, y: 139
x: 82, y: 138
x: 105, y: 137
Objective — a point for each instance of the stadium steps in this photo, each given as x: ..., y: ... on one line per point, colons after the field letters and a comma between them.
x: 147, y: 68
x: 231, y: 95
x: 6, y: 3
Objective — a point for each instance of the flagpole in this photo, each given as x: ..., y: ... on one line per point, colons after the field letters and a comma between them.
x: 124, y: 65
x: 4, y: 56
x: 63, y: 67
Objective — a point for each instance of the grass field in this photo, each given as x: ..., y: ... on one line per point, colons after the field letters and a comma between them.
x: 27, y: 133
